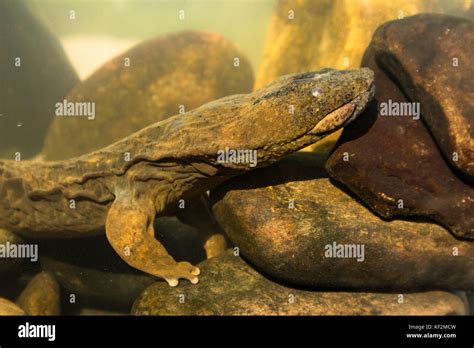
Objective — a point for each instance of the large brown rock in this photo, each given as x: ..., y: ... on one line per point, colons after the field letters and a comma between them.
x: 41, y: 296
x: 395, y: 167
x: 430, y: 56
x: 290, y: 221
x: 185, y: 69
x: 35, y: 74
x: 229, y: 286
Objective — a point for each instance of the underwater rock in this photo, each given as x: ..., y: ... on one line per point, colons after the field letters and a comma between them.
x: 307, y: 35
x: 41, y: 296
x: 165, y: 76
x: 293, y: 224
x: 9, y: 308
x: 9, y: 238
x: 395, y: 167
x: 103, y: 278
x: 430, y: 56
x: 229, y: 286
x: 35, y: 75
x: 99, y: 312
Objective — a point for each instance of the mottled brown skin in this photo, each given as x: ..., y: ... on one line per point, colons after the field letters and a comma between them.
x: 230, y: 286
x: 172, y: 160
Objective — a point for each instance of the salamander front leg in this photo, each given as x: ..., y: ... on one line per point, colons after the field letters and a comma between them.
x: 129, y: 229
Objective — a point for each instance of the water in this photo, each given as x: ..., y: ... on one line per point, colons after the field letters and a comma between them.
x: 139, y: 62
x: 103, y: 29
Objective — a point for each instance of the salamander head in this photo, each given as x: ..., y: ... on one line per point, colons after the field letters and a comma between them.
x: 297, y: 110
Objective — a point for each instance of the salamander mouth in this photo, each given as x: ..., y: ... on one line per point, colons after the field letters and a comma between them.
x: 336, y: 119
x: 344, y: 114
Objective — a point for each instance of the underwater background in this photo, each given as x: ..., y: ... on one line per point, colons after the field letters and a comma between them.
x: 106, y: 28
x: 187, y: 53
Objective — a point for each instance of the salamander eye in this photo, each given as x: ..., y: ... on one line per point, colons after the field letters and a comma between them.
x: 316, y: 91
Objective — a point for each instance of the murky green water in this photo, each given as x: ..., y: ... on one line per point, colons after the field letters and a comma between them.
x: 102, y: 29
